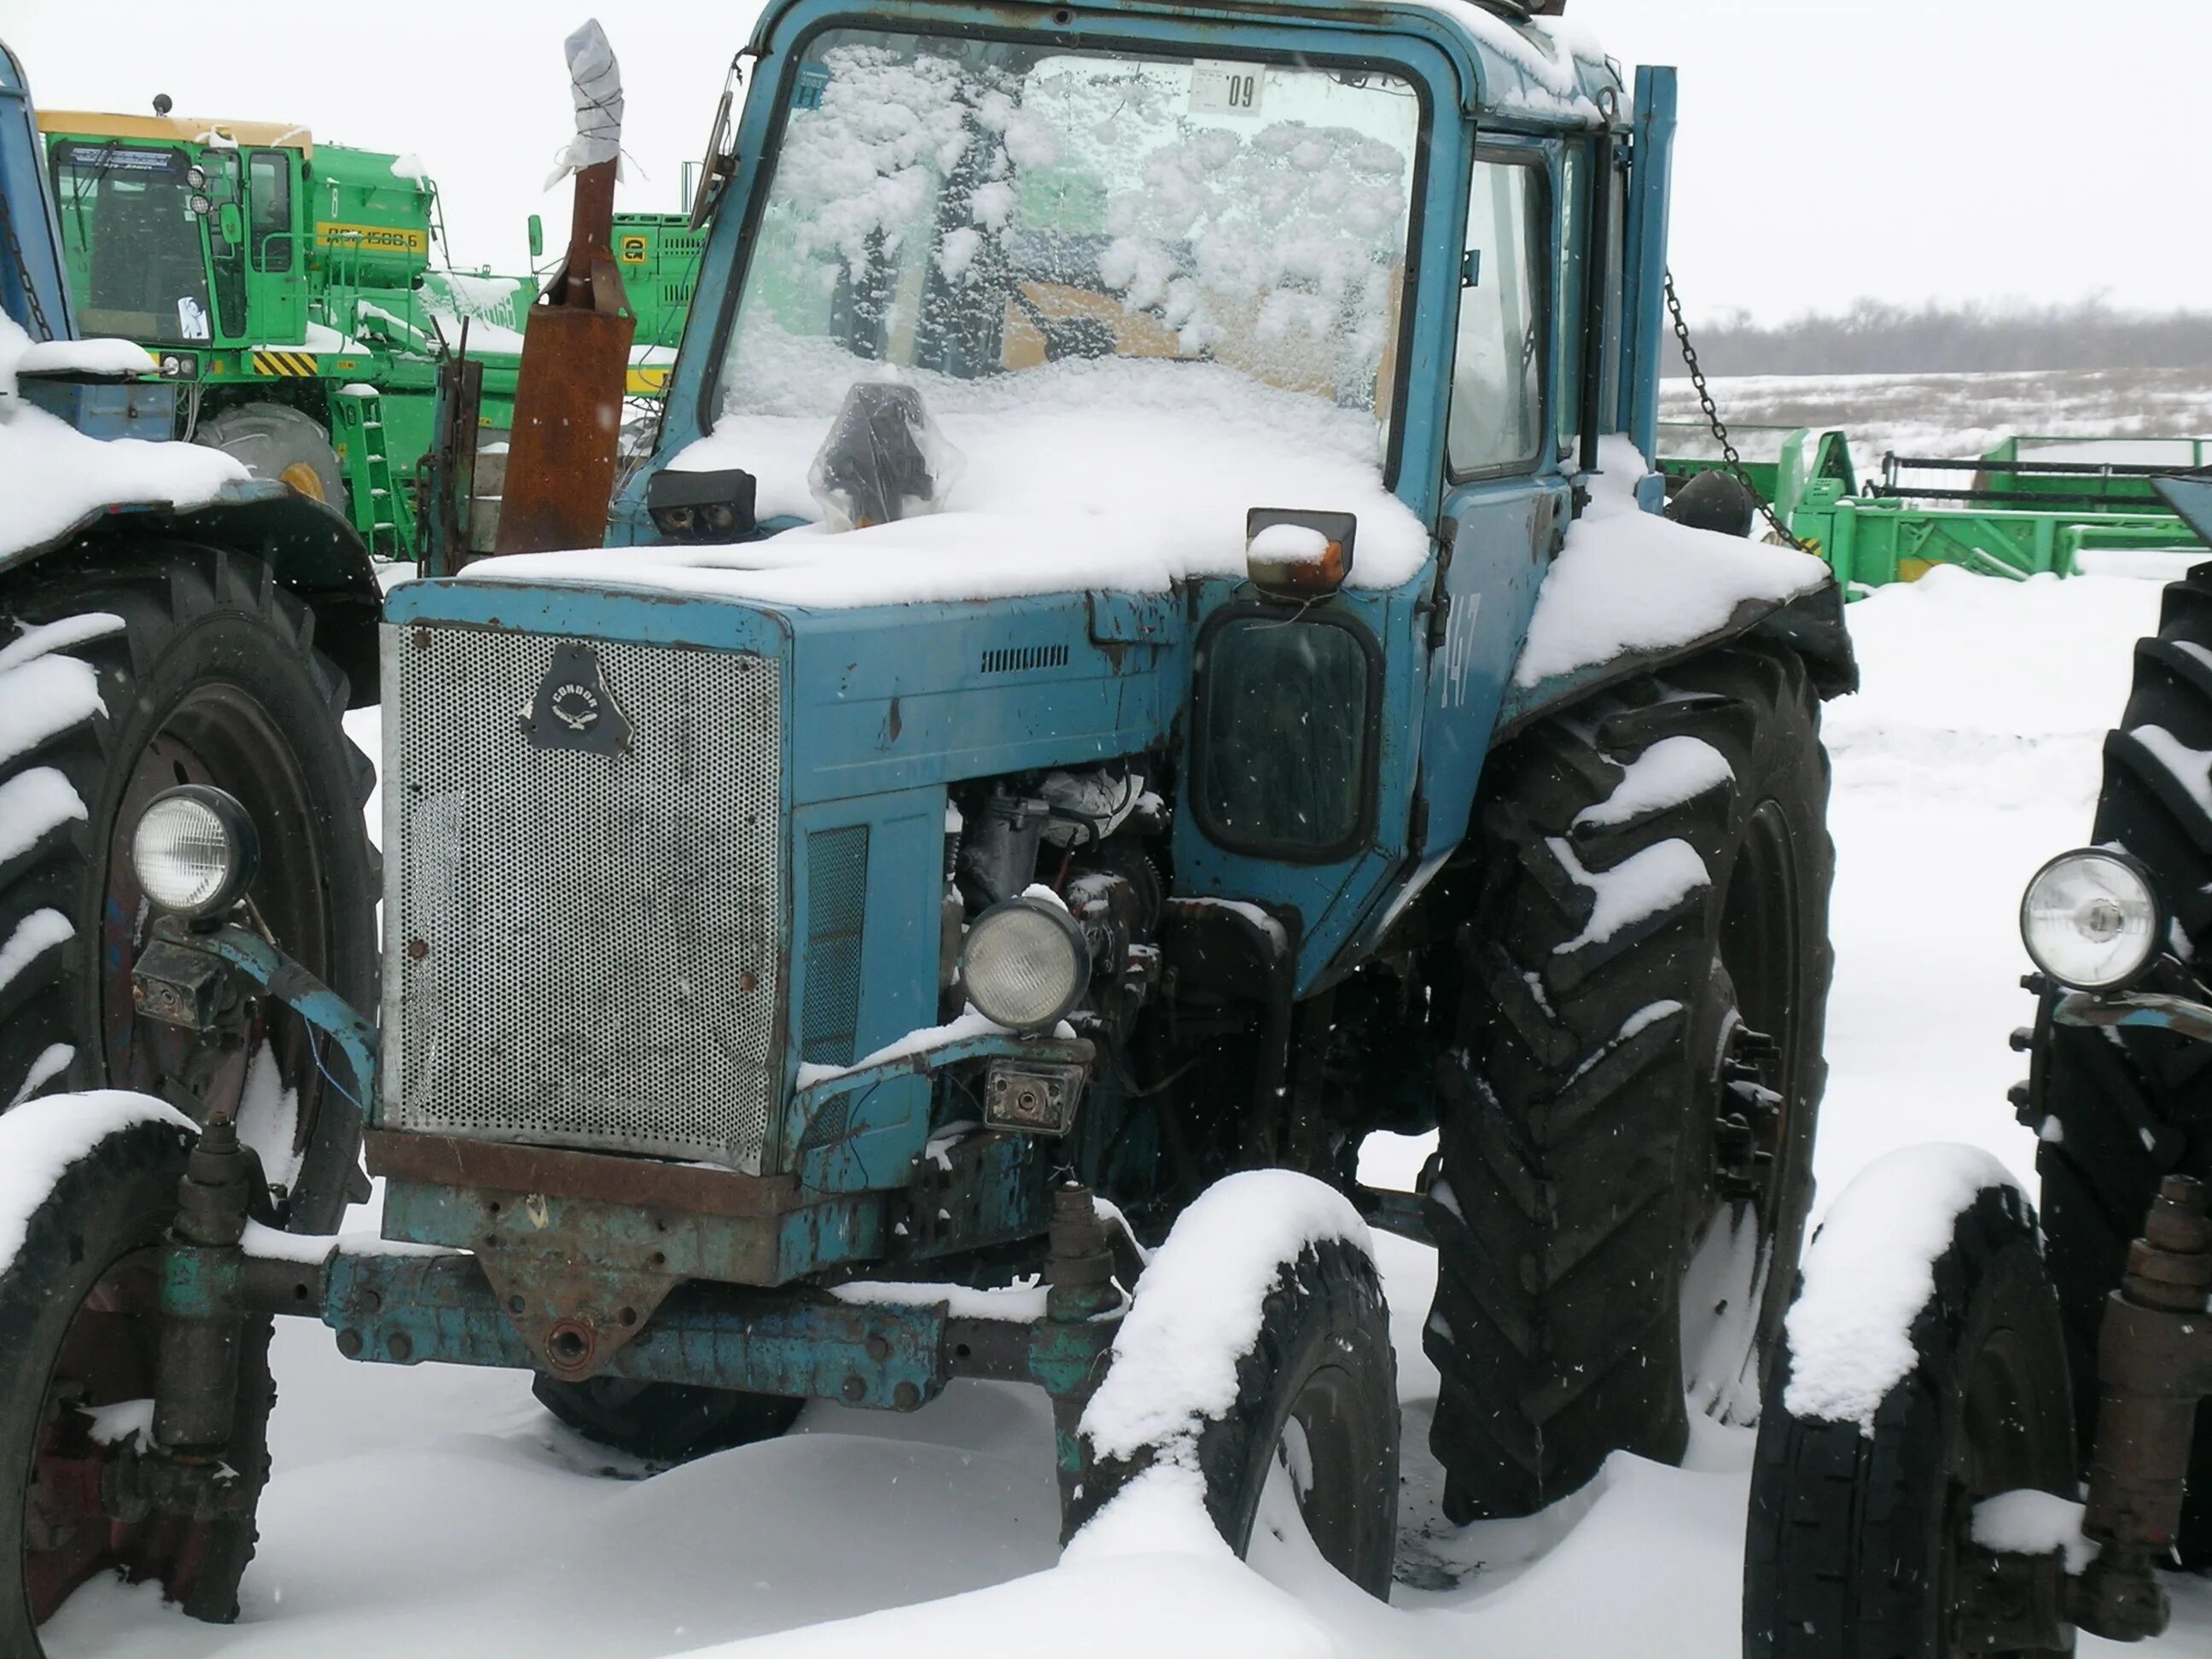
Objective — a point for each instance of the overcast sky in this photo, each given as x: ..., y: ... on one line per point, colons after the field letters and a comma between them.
x: 1831, y: 149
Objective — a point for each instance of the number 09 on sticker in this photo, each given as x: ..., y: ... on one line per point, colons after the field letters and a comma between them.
x: 1219, y: 88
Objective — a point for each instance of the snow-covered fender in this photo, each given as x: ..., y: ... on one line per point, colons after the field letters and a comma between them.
x: 313, y: 549
x: 1811, y: 624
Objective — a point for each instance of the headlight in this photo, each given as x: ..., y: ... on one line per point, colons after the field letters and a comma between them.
x: 1024, y: 964
x: 2091, y: 919
x: 195, y: 850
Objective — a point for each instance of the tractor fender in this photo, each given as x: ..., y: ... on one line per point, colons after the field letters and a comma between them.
x: 1811, y: 624
x: 312, y: 549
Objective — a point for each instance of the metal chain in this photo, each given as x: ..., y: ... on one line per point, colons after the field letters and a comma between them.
x: 23, y: 266
x: 1730, y: 461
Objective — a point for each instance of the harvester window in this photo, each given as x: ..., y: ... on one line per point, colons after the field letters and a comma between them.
x: 270, y: 188
x: 1497, y: 368
x: 135, y: 256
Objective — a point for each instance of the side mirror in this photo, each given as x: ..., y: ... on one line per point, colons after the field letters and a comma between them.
x: 537, y: 237
x: 1300, y: 557
x: 231, y: 222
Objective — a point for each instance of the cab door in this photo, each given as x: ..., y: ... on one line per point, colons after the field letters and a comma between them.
x: 276, y: 252
x: 1505, y: 495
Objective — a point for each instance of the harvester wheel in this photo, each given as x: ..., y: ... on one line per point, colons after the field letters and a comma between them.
x: 117, y: 680
x: 78, y: 1341
x: 1628, y: 1105
x: 2123, y: 1108
x: 1299, y: 1470
x: 1855, y: 1535
x: 275, y: 441
x: 664, y: 1422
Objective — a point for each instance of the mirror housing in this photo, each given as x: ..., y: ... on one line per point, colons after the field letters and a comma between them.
x: 537, y: 237
x: 1298, y: 555
x: 702, y: 506
x: 231, y: 222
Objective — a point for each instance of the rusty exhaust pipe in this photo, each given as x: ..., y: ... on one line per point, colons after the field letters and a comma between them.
x: 575, y: 346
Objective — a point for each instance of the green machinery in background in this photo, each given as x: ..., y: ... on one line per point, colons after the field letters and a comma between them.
x: 658, y: 253
x: 288, y: 286
x: 2061, y: 506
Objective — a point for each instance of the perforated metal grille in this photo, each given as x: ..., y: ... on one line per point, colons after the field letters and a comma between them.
x: 836, y: 908
x: 581, y: 948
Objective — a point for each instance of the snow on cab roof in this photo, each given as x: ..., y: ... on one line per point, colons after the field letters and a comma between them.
x: 1548, y: 70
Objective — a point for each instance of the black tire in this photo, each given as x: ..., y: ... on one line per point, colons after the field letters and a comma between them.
x: 2117, y: 1110
x: 275, y: 441
x: 664, y: 1422
x: 1324, y: 1359
x: 189, y: 663
x: 1848, y: 1549
x: 1587, y: 1174
x: 97, y: 1228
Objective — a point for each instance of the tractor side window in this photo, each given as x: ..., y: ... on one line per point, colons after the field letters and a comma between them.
x: 1497, y: 368
x: 1286, y: 738
x: 269, y: 187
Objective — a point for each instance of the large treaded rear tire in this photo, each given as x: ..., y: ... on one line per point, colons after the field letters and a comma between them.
x: 1581, y: 1152
x: 1847, y: 1546
x: 2117, y: 1110
x: 112, y: 676
x: 274, y: 440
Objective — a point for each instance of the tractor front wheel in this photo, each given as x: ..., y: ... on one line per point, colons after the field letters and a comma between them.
x: 275, y: 441
x: 79, y: 1287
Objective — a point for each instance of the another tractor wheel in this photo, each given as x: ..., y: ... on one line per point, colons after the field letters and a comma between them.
x: 664, y: 1422
x: 275, y: 441
x: 1299, y: 1456
x: 78, y: 1339
x: 186, y: 666
x: 1627, y: 1111
x: 2119, y: 1110
x: 1855, y: 1538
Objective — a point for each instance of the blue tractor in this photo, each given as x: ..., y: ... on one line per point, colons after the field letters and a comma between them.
x: 1144, y: 654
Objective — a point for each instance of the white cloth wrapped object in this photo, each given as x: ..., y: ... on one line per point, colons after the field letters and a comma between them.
x: 595, y: 83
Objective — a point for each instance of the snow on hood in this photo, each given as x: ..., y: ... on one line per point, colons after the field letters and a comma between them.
x: 1867, y: 1273
x: 51, y: 476
x: 1127, y: 474
x: 1631, y: 581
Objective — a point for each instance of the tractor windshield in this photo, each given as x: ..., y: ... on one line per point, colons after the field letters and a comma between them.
x: 133, y: 245
x: 1016, y: 226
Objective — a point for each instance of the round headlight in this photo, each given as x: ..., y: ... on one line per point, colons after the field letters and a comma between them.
x: 2091, y: 919
x: 195, y: 850
x: 1024, y: 964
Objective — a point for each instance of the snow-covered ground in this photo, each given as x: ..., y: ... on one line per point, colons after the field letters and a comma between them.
x: 439, y: 1511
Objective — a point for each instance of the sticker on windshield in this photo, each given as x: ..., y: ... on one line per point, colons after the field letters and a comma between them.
x: 1224, y: 89
x: 191, y: 318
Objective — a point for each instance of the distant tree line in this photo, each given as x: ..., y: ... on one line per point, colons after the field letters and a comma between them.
x: 1876, y: 338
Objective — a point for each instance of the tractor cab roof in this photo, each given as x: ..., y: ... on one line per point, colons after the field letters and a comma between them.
x: 1512, y: 62
x: 180, y: 130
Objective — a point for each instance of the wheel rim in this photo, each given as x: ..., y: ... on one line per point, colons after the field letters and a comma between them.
x: 217, y: 734
x: 1312, y: 1491
x: 303, y: 478
x: 106, y: 1358
x: 1752, y: 1085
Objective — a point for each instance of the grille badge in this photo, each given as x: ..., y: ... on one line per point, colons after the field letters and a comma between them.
x: 574, y: 708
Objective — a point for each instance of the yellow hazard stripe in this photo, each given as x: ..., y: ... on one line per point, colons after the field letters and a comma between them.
x: 295, y: 364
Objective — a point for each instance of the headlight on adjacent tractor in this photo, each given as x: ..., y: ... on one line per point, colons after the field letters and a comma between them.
x: 2091, y: 919
x: 1024, y: 964
x: 195, y: 851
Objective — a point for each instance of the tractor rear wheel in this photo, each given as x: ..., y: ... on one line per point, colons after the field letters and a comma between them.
x: 275, y: 441
x: 2118, y: 1110
x: 79, y: 1333
x: 186, y: 664
x: 1627, y: 1108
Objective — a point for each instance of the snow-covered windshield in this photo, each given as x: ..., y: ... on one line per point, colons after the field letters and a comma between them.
x: 985, y: 215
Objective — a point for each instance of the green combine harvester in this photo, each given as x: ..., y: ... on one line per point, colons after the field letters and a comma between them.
x: 288, y: 286
x: 658, y: 253
x: 2033, y: 506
